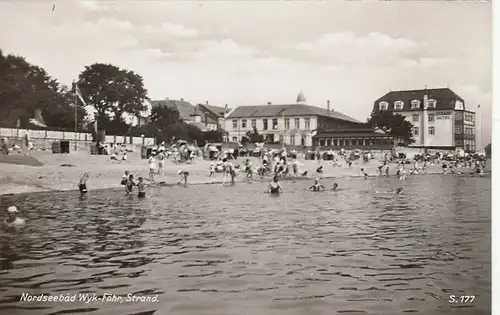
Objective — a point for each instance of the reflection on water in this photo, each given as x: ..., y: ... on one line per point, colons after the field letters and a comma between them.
x: 235, y: 250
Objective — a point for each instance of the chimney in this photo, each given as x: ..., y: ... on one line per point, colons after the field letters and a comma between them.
x: 269, y: 103
x: 182, y: 100
x: 225, y: 110
x: 206, y: 119
x: 206, y: 103
x: 328, y: 105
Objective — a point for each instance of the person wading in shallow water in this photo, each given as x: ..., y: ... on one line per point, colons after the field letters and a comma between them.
x: 184, y: 177
x: 82, y: 185
x: 274, y: 187
x: 142, y: 188
x: 129, y: 186
x: 317, y: 186
x: 12, y: 219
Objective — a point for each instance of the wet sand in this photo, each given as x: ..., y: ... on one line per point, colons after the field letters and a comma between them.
x: 105, y: 173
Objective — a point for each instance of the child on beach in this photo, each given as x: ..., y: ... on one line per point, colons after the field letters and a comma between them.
x: 152, y: 168
x: 82, y: 184
x: 142, y: 188
x: 212, y: 169
x: 335, y: 186
x: 184, y: 177
x: 161, y: 159
x: 130, y: 184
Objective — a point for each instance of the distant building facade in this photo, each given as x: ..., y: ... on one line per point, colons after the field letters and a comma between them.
x: 439, y: 117
x: 298, y: 125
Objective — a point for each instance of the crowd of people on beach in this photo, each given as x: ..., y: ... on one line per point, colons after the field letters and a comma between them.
x: 278, y: 165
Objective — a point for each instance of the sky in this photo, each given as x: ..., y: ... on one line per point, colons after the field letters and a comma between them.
x: 250, y: 53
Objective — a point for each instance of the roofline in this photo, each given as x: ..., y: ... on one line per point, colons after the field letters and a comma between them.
x: 420, y: 90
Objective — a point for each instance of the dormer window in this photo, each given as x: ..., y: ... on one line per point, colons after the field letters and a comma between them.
x: 459, y: 105
x: 398, y: 105
x: 431, y: 103
x: 415, y: 104
x: 383, y: 106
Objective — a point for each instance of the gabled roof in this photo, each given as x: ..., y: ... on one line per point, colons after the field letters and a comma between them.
x: 286, y: 110
x: 184, y: 108
x: 216, y: 110
x: 445, y: 98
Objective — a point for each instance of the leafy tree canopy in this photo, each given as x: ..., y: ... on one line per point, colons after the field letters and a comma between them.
x: 112, y: 91
x: 25, y: 88
x: 163, y: 116
x: 393, y: 124
x: 252, y: 136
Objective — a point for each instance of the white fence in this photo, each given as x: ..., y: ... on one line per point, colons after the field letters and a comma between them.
x: 70, y: 136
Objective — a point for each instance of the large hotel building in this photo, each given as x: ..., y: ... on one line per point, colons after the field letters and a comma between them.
x: 439, y: 117
x: 302, y: 125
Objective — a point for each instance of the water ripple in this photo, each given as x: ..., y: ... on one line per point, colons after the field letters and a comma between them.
x: 234, y: 250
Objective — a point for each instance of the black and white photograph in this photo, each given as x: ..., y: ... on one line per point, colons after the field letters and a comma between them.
x: 246, y: 157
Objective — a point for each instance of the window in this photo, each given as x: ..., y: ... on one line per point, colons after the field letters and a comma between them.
x: 335, y: 142
x: 431, y: 130
x: 307, y: 123
x: 459, y: 116
x: 431, y: 103
x: 383, y: 105
x: 292, y: 139
x: 398, y: 105
x: 235, y: 124
x: 287, y: 123
x: 458, y: 130
x: 303, y: 140
x: 275, y: 124
x: 297, y: 123
x: 473, y: 117
x: 254, y: 123
x: 431, y: 117
x: 415, y: 117
x: 458, y: 142
x: 264, y: 123
x: 415, y: 104
x: 322, y: 142
x: 235, y: 139
x: 473, y: 131
x: 281, y: 138
x: 360, y: 141
x: 415, y: 131
x: 341, y: 142
x: 244, y: 123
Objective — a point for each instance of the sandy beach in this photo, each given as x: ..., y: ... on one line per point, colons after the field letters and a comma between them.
x: 105, y: 173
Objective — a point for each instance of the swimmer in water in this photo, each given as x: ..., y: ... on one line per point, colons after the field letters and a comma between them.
x: 317, y: 186
x: 82, y: 185
x: 12, y: 219
x: 335, y: 187
x: 184, y: 177
x: 142, y: 188
x: 274, y: 187
x: 399, y: 190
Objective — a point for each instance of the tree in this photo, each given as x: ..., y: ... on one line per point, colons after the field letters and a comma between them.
x: 487, y: 150
x: 25, y: 88
x: 252, y: 136
x: 112, y: 91
x: 214, y: 135
x: 393, y: 124
x: 163, y: 116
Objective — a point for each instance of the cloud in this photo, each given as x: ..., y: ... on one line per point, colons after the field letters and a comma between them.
x: 373, y: 49
x: 172, y: 30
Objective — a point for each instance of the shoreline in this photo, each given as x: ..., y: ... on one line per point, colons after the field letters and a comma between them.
x: 54, y: 176
x: 33, y: 189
